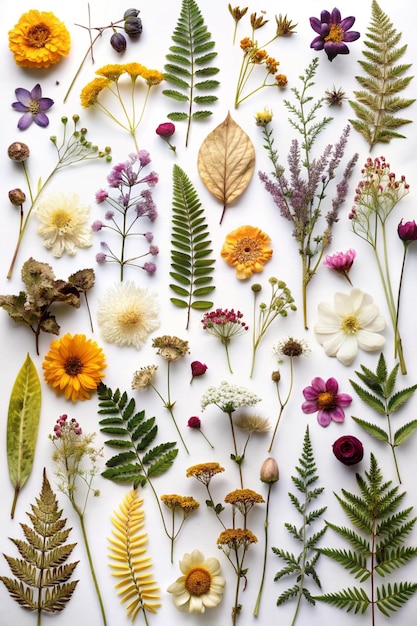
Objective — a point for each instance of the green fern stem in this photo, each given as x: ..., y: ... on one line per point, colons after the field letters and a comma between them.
x: 266, y: 524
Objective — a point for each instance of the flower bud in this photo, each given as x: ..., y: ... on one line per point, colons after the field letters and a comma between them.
x: 407, y: 231
x: 131, y: 13
x: 276, y: 376
x: 167, y: 129
x: 269, y: 471
x: 133, y: 26
x: 198, y: 369
x: 194, y: 422
x: 18, y: 151
x: 118, y: 42
x: 348, y: 450
x: 17, y: 197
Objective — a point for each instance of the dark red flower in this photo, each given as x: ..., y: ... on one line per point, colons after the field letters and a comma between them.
x: 332, y: 33
x: 197, y: 369
x: 167, y: 129
x: 348, y: 450
x: 407, y: 231
x: 194, y: 422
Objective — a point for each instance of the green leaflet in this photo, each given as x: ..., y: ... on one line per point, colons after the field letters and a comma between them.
x: 191, y: 262
x: 377, y: 541
x: 41, y: 575
x: 378, y: 102
x: 189, y: 65
x: 22, y: 426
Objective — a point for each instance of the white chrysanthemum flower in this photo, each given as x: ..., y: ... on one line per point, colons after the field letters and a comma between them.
x: 350, y: 323
x: 127, y: 314
x: 64, y: 223
x: 200, y: 586
x: 228, y: 397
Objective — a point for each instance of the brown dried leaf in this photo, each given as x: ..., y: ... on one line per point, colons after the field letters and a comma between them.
x: 226, y: 161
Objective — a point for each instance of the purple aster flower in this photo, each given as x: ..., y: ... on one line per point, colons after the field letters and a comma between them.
x: 324, y: 398
x: 33, y: 107
x: 332, y: 33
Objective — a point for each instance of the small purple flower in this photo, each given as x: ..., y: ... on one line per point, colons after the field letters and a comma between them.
x: 96, y: 226
x: 109, y: 214
x: 142, y: 156
x: 323, y: 397
x: 151, y: 179
x: 149, y: 267
x: 154, y: 250
x: 100, y: 258
x: 341, y: 262
x: 33, y: 107
x: 332, y: 33
x: 407, y: 232
x: 101, y: 196
x: 148, y: 236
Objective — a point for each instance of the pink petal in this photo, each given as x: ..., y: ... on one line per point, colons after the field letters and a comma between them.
x: 337, y: 414
x: 343, y: 399
x: 309, y: 407
x: 323, y: 418
x: 332, y: 386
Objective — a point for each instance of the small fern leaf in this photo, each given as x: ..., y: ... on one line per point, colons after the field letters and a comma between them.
x: 384, y: 79
x: 372, y: 429
x: 128, y: 560
x: 352, y: 599
x: 191, y: 259
x: 392, y: 597
x: 188, y: 62
x: 41, y: 578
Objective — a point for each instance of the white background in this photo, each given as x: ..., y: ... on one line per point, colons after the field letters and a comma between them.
x: 255, y: 207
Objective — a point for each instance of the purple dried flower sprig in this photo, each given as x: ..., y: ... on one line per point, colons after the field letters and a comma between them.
x: 126, y: 209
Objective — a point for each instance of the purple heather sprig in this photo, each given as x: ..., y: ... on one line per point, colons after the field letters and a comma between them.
x: 224, y: 324
x: 377, y: 194
x: 333, y: 32
x: 126, y: 208
x: 33, y: 106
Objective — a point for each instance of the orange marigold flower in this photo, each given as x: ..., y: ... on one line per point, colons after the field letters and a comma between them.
x: 272, y: 65
x: 247, y: 249
x: 90, y: 93
x: 39, y: 39
x: 247, y: 44
x: 74, y: 365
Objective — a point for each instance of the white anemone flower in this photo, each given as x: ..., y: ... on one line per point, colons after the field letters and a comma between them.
x: 127, y: 314
x: 64, y: 223
x: 350, y: 323
x: 200, y: 586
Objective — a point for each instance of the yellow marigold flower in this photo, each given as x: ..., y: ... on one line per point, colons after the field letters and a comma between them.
x: 113, y: 71
x: 39, y: 39
x: 281, y: 80
x: 259, y: 56
x: 134, y: 70
x: 247, y: 44
x: 247, y: 249
x: 204, y: 472
x: 153, y: 77
x: 74, y: 365
x: 234, y: 538
x: 90, y: 93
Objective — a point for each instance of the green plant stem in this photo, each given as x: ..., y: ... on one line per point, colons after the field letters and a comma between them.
x: 90, y: 562
x: 226, y: 345
x: 238, y: 460
x: 266, y: 523
x: 282, y: 404
x: 169, y: 406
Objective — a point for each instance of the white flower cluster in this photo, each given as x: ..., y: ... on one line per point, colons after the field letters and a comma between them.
x: 228, y: 397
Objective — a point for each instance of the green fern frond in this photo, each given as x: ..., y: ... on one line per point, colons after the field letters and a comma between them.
x: 129, y: 466
x: 128, y: 560
x: 378, y: 550
x: 377, y: 103
x: 41, y: 576
x: 301, y: 565
x: 189, y: 60
x: 191, y: 262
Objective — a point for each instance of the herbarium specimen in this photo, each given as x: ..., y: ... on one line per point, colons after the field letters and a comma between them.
x: 41, y: 580
x: 378, y: 102
x: 189, y: 67
x: 191, y: 260
x: 128, y: 560
x: 302, y: 565
x: 23, y: 425
x: 377, y: 546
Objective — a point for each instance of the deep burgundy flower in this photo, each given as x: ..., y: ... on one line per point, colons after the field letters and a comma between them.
x: 194, y: 422
x: 407, y: 231
x: 167, y: 129
x: 324, y: 398
x: 332, y: 33
x: 33, y: 107
x: 348, y: 450
x: 197, y: 369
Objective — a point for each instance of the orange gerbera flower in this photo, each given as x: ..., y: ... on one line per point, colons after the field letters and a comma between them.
x: 39, y: 39
x: 74, y: 365
x: 247, y: 249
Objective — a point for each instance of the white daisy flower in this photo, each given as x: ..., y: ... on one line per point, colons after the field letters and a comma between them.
x: 350, y: 323
x: 200, y: 586
x: 64, y: 223
x: 127, y: 314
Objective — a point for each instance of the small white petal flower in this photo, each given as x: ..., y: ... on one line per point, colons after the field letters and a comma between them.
x: 352, y: 322
x: 201, y: 585
x: 127, y: 314
x: 64, y: 223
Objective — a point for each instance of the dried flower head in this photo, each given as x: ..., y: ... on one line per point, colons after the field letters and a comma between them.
x: 17, y: 197
x: 247, y: 249
x: 243, y: 500
x: 236, y: 12
x: 170, y: 348
x: 291, y: 347
x: 18, y: 151
x: 263, y: 118
x: 186, y: 504
x: 335, y: 97
x: 285, y: 27
x: 235, y: 538
x: 197, y: 369
x: 257, y: 22
x: 143, y: 378
x: 204, y: 472
x: 253, y: 423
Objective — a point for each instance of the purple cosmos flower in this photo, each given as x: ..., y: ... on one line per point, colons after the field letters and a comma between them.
x: 33, y: 107
x: 323, y: 397
x: 332, y: 33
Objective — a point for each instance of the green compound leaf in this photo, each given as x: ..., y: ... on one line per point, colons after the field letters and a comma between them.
x: 378, y: 102
x: 189, y: 61
x: 191, y: 261
x: 23, y: 425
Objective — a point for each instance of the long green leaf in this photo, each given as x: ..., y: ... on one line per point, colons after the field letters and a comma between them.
x: 23, y: 425
x: 372, y: 429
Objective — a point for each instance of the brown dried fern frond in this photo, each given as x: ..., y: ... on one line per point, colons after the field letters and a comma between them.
x: 128, y: 559
x: 41, y: 575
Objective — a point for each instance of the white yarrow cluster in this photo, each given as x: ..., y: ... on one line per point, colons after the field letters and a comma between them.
x: 228, y: 397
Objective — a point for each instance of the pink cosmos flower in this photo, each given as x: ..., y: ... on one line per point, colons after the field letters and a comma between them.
x: 323, y: 396
x: 341, y: 262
